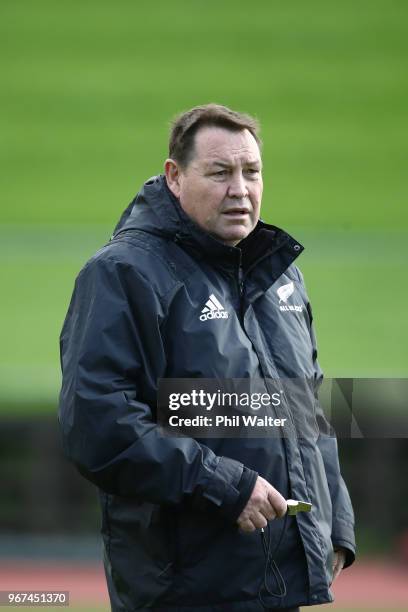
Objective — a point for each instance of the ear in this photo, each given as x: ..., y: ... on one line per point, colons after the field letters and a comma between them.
x: 173, y: 173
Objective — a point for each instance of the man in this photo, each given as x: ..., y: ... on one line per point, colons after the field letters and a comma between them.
x: 182, y: 518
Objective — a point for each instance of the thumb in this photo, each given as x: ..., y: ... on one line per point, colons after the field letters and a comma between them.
x: 277, y: 501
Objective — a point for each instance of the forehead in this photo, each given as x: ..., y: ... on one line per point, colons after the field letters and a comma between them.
x: 216, y: 143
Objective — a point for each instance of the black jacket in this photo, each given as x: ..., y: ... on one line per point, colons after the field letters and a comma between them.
x: 169, y: 504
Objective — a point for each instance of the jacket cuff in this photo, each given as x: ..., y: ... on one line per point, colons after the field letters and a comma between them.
x: 221, y: 487
x: 245, y: 487
x: 348, y: 548
x: 343, y: 537
x: 230, y: 487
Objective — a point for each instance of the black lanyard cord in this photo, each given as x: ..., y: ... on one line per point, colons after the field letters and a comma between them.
x: 271, y: 565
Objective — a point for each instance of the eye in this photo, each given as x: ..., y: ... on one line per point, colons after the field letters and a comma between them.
x: 221, y: 173
x: 252, y: 173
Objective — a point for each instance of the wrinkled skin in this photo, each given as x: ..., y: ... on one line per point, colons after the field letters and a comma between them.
x: 221, y: 186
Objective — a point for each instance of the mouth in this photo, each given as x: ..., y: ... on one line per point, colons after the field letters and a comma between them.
x: 236, y: 212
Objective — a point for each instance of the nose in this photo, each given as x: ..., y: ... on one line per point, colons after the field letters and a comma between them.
x: 237, y: 187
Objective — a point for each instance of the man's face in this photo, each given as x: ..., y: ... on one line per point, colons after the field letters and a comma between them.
x: 221, y: 187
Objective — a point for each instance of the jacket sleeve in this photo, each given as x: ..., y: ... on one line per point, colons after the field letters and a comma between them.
x: 112, y: 354
x: 343, y: 515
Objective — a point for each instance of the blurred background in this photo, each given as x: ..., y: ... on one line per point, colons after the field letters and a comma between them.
x: 88, y: 89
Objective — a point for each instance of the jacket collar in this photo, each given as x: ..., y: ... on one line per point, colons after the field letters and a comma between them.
x: 157, y: 211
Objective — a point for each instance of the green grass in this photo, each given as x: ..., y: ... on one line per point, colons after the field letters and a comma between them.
x: 87, y: 94
x: 88, y: 91
x: 360, y: 330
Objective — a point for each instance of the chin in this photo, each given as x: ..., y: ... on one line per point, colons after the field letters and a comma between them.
x: 233, y: 240
x: 232, y: 237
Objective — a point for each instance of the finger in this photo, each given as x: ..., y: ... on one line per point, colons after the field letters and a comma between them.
x: 336, y: 571
x: 246, y: 526
x: 338, y: 562
x: 335, y: 560
x: 277, y: 502
x: 268, y: 511
x: 258, y: 519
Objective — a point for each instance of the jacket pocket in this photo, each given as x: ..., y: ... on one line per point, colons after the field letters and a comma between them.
x: 139, y: 547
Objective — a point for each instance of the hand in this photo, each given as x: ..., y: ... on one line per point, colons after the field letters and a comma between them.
x: 265, y: 504
x: 339, y: 560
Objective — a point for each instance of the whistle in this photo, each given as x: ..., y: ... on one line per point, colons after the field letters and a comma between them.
x: 295, y: 506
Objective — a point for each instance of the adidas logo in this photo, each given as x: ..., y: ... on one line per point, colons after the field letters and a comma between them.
x: 213, y: 309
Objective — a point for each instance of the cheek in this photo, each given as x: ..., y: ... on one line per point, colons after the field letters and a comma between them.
x: 211, y: 202
x: 191, y: 199
x: 256, y: 197
x: 203, y: 201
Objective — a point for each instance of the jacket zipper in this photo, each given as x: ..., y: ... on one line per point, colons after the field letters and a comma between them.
x: 241, y: 288
x: 240, y: 281
x: 241, y: 293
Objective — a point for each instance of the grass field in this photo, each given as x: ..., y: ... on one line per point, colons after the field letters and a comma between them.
x: 87, y: 94
x: 360, y: 332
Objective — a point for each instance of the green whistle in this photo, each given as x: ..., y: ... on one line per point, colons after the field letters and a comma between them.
x: 295, y: 506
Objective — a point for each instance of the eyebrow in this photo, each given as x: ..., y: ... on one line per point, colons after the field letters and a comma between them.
x: 222, y: 164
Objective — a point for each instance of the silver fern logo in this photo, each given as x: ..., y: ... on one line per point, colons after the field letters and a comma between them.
x: 284, y: 292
